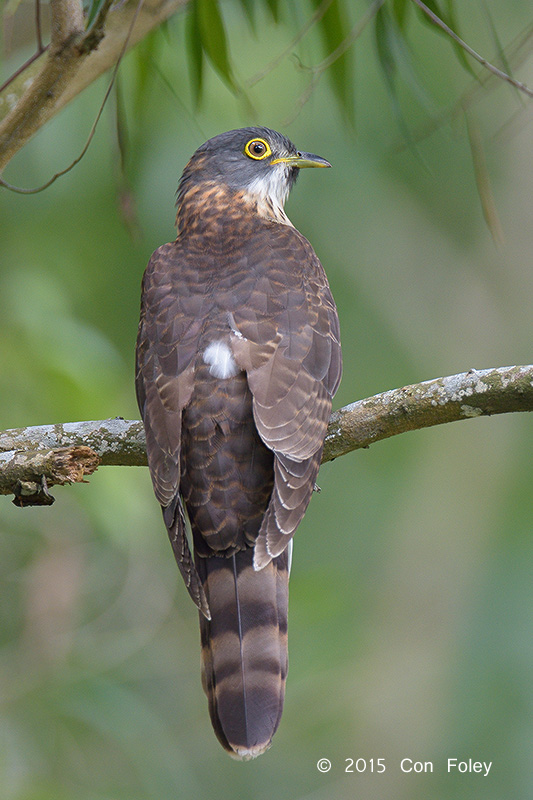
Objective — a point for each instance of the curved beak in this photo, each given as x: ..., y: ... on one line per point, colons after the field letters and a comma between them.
x: 302, y: 160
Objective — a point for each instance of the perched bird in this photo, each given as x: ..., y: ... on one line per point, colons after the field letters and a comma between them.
x: 238, y: 358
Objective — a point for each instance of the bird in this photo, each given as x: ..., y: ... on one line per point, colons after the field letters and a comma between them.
x: 237, y: 361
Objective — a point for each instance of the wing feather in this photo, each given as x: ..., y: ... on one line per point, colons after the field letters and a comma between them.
x: 289, y: 346
x: 164, y: 383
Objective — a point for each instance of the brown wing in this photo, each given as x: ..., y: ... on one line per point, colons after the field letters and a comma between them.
x: 286, y: 337
x: 164, y: 371
x: 164, y: 383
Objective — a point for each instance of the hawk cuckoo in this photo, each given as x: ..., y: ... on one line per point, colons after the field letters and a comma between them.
x: 238, y: 359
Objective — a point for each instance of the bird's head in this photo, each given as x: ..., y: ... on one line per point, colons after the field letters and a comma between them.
x: 259, y: 163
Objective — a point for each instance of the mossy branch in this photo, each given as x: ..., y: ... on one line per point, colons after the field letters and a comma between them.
x: 27, y: 454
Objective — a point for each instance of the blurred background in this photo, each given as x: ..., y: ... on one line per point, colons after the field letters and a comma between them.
x: 411, y: 610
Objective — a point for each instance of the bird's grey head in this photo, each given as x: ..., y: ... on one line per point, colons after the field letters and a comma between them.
x: 261, y: 162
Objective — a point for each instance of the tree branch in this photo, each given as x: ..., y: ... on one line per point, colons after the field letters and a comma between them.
x: 475, y: 393
x: 66, y: 22
x: 117, y: 442
x: 50, y: 81
x: 27, y: 453
x: 39, y: 94
x: 28, y: 474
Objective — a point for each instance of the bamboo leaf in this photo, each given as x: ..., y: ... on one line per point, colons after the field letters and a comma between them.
x: 10, y: 7
x: 195, y: 53
x: 434, y: 6
x: 383, y: 48
x: 248, y: 7
x: 483, y: 183
x: 453, y: 23
x: 402, y: 57
x: 449, y: 17
x: 213, y: 38
x: 335, y: 30
x: 385, y: 34
x: 273, y: 6
x: 144, y: 56
x: 399, y: 10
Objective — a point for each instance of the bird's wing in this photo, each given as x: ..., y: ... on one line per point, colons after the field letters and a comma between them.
x: 167, y: 345
x: 286, y: 337
x: 166, y: 348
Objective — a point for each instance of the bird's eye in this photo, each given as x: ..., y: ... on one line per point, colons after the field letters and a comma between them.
x: 258, y: 149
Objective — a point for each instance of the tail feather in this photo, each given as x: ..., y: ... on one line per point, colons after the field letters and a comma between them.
x: 244, y: 649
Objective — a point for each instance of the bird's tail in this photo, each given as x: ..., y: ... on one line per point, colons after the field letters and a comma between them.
x: 244, y: 649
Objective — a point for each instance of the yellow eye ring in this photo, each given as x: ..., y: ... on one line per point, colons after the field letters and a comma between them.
x: 258, y: 149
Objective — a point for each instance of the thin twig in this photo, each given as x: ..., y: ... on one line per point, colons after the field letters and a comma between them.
x: 21, y: 69
x: 319, y: 13
x: 41, y: 48
x: 318, y: 70
x: 474, y: 93
x: 38, y: 32
x: 466, y: 47
x: 354, y: 34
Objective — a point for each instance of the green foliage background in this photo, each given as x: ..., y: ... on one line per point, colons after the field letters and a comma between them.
x: 411, y: 623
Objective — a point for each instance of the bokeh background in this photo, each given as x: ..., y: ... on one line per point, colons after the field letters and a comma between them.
x: 411, y: 611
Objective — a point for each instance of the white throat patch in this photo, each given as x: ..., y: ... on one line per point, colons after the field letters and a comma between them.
x: 270, y: 192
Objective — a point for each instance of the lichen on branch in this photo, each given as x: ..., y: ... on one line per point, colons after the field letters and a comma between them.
x: 120, y: 442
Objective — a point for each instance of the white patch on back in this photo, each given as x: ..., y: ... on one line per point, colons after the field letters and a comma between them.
x: 220, y: 359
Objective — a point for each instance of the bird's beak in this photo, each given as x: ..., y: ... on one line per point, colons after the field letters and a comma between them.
x: 302, y: 160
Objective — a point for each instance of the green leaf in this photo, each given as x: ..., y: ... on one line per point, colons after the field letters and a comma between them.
x: 273, y: 5
x: 10, y: 7
x: 383, y: 45
x: 386, y: 33
x: 453, y: 23
x: 248, y: 7
x: 144, y: 55
x: 400, y: 54
x: 449, y: 17
x: 399, y: 10
x: 213, y: 38
x: 433, y: 5
x: 195, y: 53
x: 483, y: 183
x: 334, y: 27
x: 92, y: 10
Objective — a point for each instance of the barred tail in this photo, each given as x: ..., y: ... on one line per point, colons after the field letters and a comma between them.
x: 244, y: 649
